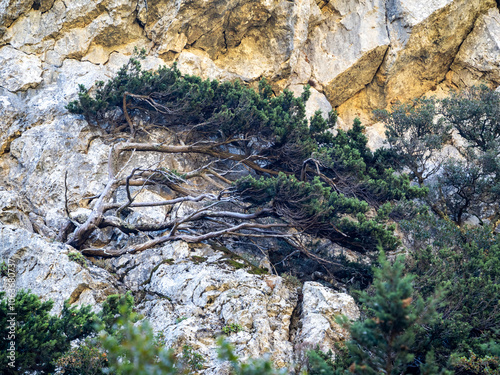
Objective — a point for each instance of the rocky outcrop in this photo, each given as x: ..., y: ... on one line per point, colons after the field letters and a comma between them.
x: 478, y: 61
x: 191, y: 293
x: 211, y: 297
x: 347, y: 46
x: 424, y: 40
x: 320, y: 307
x: 357, y: 55
x: 45, y: 268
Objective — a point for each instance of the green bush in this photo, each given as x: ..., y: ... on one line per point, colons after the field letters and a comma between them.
x: 88, y: 358
x: 232, y: 328
x: 321, y: 363
x: 465, y: 264
x: 191, y: 359
x: 77, y: 257
x: 116, y: 308
x: 464, y: 186
x: 384, y: 342
x: 41, y: 338
x: 132, y: 350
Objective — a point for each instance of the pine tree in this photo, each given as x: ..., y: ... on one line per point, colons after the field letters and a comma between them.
x: 382, y: 343
x: 40, y: 338
x: 300, y: 174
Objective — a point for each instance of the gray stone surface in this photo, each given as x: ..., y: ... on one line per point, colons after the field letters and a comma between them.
x: 320, y: 307
x: 18, y: 70
x: 44, y: 268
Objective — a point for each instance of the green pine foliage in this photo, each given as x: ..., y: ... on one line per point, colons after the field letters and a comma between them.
x: 465, y: 265
x: 88, y: 358
x: 191, y: 360
x: 388, y: 339
x: 382, y: 343
x: 43, y: 341
x: 40, y: 337
x: 132, y: 350
x: 475, y: 114
x: 116, y: 308
x: 319, y: 210
x: 321, y: 363
x: 207, y: 109
x: 251, y: 367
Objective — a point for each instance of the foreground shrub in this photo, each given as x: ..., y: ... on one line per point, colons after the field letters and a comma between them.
x: 41, y: 338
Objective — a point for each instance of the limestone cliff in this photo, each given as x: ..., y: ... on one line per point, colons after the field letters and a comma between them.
x: 357, y: 55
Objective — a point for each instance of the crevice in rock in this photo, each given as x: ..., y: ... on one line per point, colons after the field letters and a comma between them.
x: 225, y: 40
x: 43, y: 5
x: 380, y: 66
x: 324, y: 6
x: 295, y: 323
x: 143, y: 27
x: 141, y: 24
x: 460, y: 46
x: 155, y: 268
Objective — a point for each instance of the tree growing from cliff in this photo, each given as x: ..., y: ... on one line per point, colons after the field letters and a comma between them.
x: 266, y: 168
x: 465, y: 264
x: 462, y: 186
x: 386, y: 340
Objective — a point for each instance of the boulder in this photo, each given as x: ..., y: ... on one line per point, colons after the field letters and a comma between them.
x: 193, y: 298
x: 320, y: 307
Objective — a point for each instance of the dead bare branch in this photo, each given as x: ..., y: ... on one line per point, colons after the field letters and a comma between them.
x: 184, y: 237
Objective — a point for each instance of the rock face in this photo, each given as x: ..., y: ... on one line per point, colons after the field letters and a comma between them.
x: 21, y: 71
x: 320, y: 307
x: 45, y: 269
x: 190, y: 293
x: 360, y: 54
x: 212, y: 297
x: 478, y: 61
x: 347, y: 46
x: 357, y: 55
x: 425, y: 39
